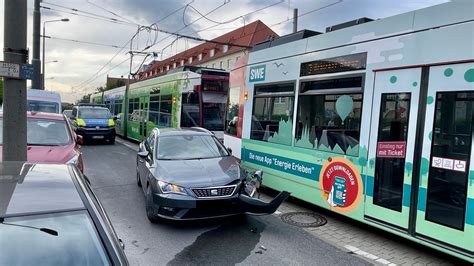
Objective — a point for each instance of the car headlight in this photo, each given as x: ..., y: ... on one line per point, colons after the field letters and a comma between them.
x: 171, y: 188
x: 73, y: 160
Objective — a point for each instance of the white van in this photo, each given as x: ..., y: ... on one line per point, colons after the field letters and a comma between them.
x: 43, y: 101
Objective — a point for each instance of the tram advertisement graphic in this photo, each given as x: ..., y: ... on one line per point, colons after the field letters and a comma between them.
x: 341, y: 184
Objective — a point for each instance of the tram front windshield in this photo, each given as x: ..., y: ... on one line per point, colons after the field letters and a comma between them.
x: 213, y: 113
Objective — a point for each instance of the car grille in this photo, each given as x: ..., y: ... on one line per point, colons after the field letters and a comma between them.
x: 214, y: 192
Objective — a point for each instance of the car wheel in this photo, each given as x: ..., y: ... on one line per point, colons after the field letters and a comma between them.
x: 112, y: 141
x: 151, y: 212
x: 139, y: 183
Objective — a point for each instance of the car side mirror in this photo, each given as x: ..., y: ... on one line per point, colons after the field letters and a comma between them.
x: 114, y: 118
x: 144, y: 153
x: 79, y: 140
x: 229, y: 150
x: 122, y: 245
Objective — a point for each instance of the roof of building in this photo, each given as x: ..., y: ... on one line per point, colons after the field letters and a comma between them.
x: 37, y: 188
x: 248, y: 35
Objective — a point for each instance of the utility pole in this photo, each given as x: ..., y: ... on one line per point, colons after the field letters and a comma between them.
x: 36, y: 82
x: 14, y: 95
x: 126, y: 99
x: 295, y: 20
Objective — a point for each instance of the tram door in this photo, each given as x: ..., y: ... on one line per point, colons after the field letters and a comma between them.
x: 144, y: 110
x: 391, y: 153
x: 445, y: 209
x: 420, y: 178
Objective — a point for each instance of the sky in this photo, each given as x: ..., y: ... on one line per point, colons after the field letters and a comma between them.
x: 82, y: 67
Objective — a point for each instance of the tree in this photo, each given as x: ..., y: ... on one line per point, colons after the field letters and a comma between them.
x: 85, y: 99
x: 116, y: 84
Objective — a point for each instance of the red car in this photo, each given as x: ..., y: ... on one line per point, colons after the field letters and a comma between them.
x: 50, y: 139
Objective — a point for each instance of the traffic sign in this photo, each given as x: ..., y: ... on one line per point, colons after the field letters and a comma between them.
x: 16, y: 71
x: 9, y: 70
x: 26, y: 71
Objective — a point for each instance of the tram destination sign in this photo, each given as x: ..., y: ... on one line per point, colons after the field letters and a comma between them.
x: 335, y: 64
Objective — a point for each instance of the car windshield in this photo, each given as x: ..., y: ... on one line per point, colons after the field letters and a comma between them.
x: 189, y: 147
x: 43, y: 132
x: 43, y: 106
x: 76, y: 242
x: 94, y: 113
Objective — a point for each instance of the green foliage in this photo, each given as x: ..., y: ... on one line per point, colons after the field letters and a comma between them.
x: 113, y: 85
x: 85, y: 99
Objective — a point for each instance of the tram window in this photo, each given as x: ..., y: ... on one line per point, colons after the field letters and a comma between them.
x: 390, y: 171
x: 133, y: 104
x: 272, y: 116
x: 118, y: 107
x: 449, y: 164
x: 232, y: 117
x: 160, y: 110
x: 329, y: 122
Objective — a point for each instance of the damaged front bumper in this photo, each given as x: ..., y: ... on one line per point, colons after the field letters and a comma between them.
x: 179, y: 207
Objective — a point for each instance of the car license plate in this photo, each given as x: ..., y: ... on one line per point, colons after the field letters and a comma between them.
x: 97, y: 137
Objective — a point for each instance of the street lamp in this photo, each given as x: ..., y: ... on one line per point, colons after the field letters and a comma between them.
x: 44, y: 37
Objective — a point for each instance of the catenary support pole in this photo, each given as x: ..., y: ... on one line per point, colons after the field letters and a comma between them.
x: 295, y: 20
x: 36, y: 81
x: 14, y: 95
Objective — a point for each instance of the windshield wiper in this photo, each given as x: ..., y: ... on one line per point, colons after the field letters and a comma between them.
x: 45, y: 230
x: 41, y: 144
x: 35, y: 144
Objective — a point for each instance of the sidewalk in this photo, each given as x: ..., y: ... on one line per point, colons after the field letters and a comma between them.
x: 369, y: 243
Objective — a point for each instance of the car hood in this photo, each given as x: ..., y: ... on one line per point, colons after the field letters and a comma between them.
x: 48, y: 154
x: 199, y: 173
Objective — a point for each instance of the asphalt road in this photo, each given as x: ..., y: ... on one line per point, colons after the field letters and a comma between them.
x: 262, y: 240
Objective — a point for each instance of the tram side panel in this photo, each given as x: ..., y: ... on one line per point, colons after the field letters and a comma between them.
x: 323, y: 144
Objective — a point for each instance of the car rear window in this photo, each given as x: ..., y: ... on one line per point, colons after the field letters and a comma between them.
x: 68, y: 238
x: 44, y: 132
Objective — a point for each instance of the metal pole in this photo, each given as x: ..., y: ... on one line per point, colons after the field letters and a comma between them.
x: 42, y: 73
x: 295, y: 20
x: 127, y: 88
x: 14, y: 95
x: 36, y: 82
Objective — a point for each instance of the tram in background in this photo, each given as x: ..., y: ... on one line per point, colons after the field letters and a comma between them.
x: 373, y: 121
x: 188, y: 96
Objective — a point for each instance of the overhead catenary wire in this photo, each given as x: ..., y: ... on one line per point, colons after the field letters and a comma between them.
x: 84, y: 42
x: 204, y: 40
x: 97, y: 73
x: 78, y: 12
x: 109, y: 11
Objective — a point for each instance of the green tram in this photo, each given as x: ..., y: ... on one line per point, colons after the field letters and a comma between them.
x: 188, y: 96
x: 373, y: 121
